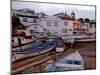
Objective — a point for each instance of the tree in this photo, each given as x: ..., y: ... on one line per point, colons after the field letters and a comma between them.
x: 16, y: 24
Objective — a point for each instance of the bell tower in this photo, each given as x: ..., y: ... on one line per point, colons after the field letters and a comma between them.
x: 73, y: 15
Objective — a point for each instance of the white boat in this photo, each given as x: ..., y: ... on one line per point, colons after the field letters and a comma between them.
x: 22, y: 41
x: 86, y: 40
x: 73, y: 61
x: 68, y: 40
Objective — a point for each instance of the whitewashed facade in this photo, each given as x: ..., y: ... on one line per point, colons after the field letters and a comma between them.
x: 27, y: 20
x: 56, y: 25
x: 36, y: 28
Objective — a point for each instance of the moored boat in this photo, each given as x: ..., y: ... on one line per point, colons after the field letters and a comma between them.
x: 73, y: 61
x: 70, y: 41
x: 40, y: 48
x: 22, y: 39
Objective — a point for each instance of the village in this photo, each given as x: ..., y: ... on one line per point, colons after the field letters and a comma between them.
x: 40, y: 40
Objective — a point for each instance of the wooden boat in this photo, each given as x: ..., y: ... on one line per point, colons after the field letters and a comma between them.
x: 73, y: 61
x: 22, y: 41
x: 71, y: 40
x: 85, y: 40
x: 33, y: 51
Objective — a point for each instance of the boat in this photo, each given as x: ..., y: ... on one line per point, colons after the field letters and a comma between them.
x: 68, y: 40
x: 60, y: 46
x: 73, y: 39
x: 20, y: 40
x: 37, y: 49
x: 71, y: 62
x: 85, y: 40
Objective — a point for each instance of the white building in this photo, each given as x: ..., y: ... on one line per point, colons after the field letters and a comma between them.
x: 27, y: 16
x: 36, y: 29
x: 57, y: 25
x: 27, y: 20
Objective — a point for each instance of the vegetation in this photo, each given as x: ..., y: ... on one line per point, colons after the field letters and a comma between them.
x: 16, y: 24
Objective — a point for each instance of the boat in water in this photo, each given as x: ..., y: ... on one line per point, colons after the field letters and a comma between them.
x: 73, y: 61
x: 37, y: 49
x: 70, y: 40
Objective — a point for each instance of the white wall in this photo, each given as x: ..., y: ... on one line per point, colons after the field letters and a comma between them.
x: 29, y: 21
x: 38, y: 29
x: 58, y: 28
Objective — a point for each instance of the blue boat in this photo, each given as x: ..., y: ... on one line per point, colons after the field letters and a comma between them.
x: 73, y: 61
x: 34, y: 50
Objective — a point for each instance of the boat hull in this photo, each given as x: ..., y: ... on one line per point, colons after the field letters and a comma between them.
x: 73, y: 61
x: 81, y: 40
x: 60, y: 49
x: 21, y: 55
x: 23, y: 46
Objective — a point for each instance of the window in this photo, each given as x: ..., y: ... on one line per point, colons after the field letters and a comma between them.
x: 48, y: 23
x: 65, y: 23
x: 34, y: 20
x: 64, y: 30
x: 77, y: 62
x: 12, y: 41
x: 24, y: 19
x: 90, y: 25
x: 70, y: 29
x: 31, y: 31
x: 55, y: 23
x: 56, y: 33
x: 69, y: 62
x: 35, y: 27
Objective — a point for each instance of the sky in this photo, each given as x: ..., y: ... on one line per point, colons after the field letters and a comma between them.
x: 51, y: 9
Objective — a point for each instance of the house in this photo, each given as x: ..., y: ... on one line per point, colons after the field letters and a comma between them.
x: 58, y: 25
x: 92, y: 27
x: 27, y: 16
x: 69, y: 26
x: 84, y: 27
x: 80, y: 27
x: 52, y: 24
x: 28, y: 19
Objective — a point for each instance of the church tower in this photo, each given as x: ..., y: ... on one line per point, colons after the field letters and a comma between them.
x: 73, y: 15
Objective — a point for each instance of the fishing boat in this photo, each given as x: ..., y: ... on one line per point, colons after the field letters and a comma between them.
x: 22, y: 39
x: 37, y: 49
x: 86, y: 38
x: 68, y: 40
x: 73, y: 61
x: 73, y: 39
